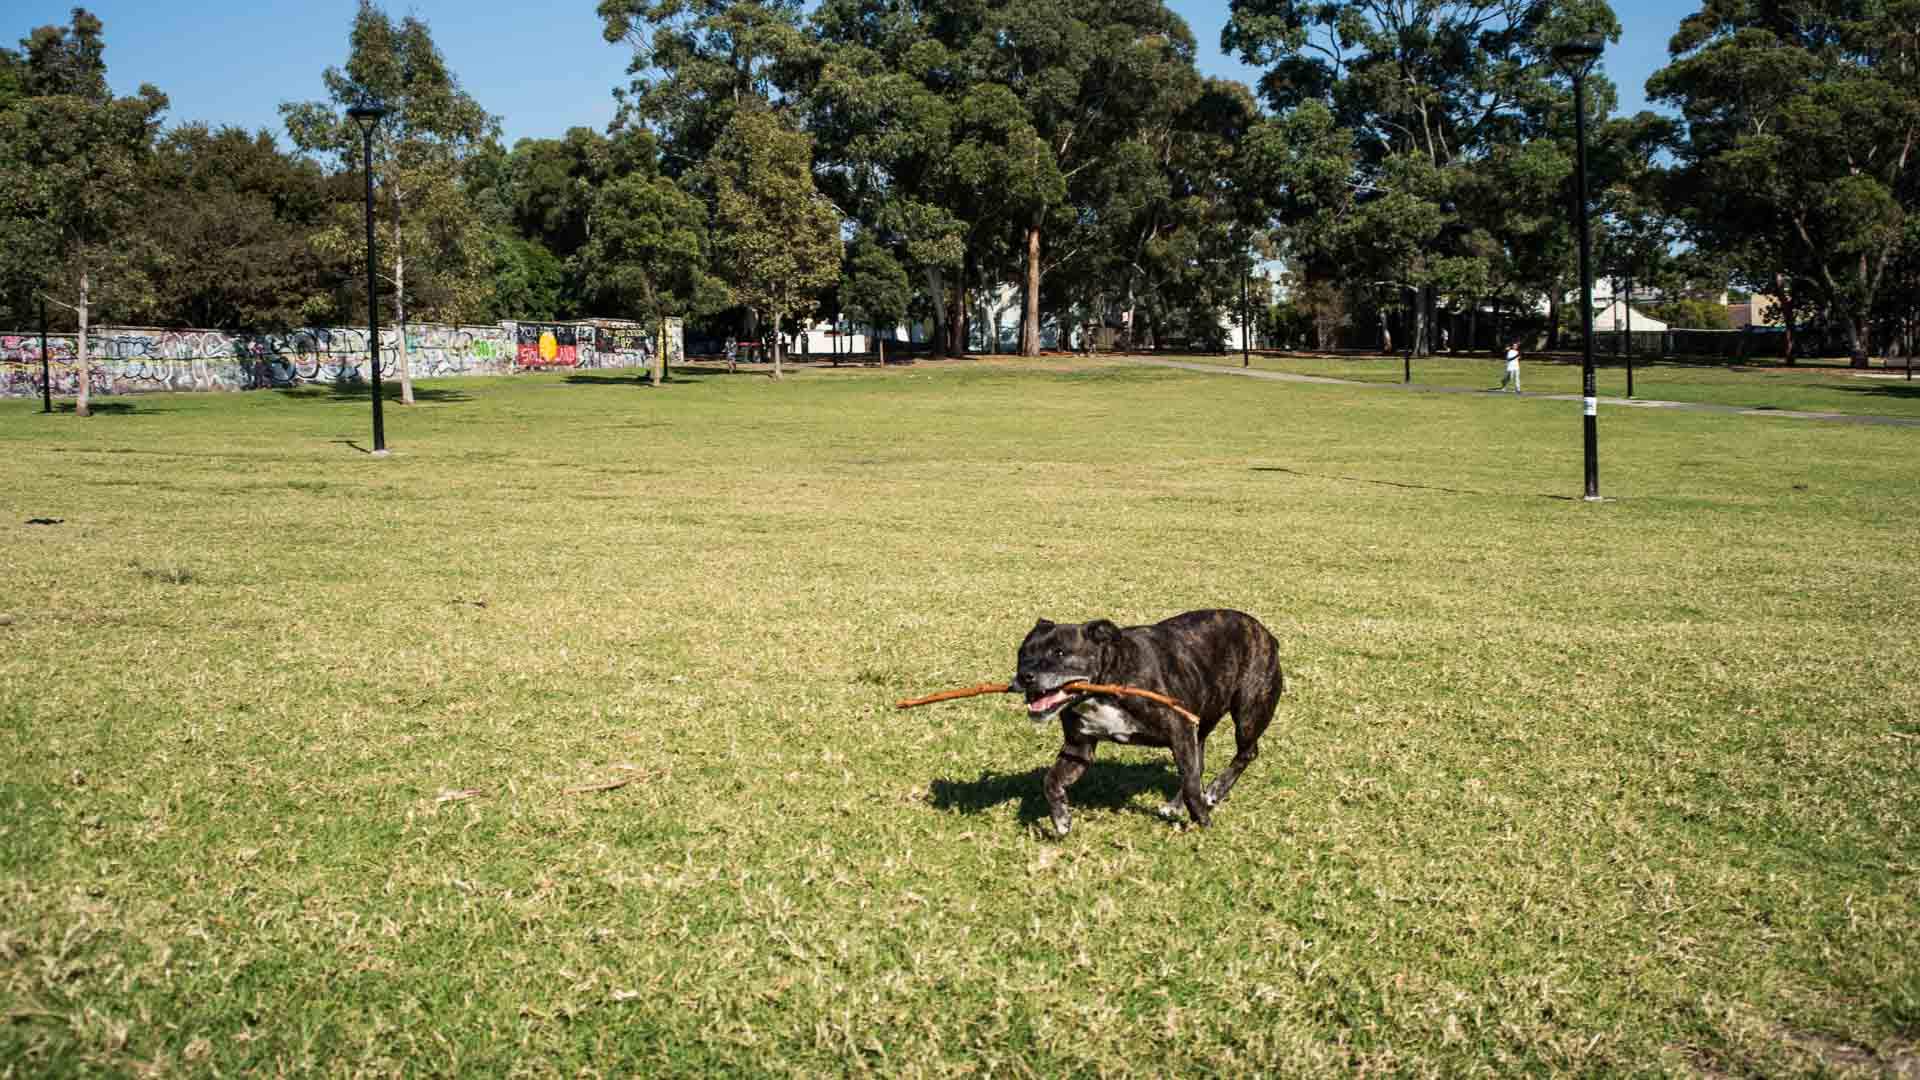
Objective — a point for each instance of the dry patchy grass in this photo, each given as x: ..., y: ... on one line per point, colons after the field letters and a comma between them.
x: 311, y: 758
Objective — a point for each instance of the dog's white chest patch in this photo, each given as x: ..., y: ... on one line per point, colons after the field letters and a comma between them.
x: 1102, y: 720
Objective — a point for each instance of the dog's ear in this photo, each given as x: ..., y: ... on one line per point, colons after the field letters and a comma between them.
x: 1102, y: 632
x: 1043, y: 624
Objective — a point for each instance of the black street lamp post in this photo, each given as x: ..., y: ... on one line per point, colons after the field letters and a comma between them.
x: 368, y: 116
x: 1576, y: 57
x: 46, y: 369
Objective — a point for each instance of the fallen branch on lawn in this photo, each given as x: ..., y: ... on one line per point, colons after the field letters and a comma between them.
x: 606, y: 785
x: 1076, y: 687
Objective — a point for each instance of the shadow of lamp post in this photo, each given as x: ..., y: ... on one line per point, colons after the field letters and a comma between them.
x: 1576, y: 57
x: 367, y: 115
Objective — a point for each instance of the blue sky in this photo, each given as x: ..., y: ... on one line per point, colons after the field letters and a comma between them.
x: 542, y: 68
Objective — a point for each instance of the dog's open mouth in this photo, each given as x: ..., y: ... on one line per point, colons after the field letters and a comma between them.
x: 1040, y: 705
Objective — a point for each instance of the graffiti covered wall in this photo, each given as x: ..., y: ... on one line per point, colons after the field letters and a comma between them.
x: 130, y: 360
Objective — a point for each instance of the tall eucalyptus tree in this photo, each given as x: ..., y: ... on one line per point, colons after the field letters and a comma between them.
x: 1432, y: 91
x: 421, y: 148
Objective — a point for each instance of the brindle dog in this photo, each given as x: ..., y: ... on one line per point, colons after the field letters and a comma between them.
x: 1213, y: 662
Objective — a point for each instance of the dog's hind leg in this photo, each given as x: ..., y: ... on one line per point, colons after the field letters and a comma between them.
x: 1251, y: 715
x: 1189, y: 750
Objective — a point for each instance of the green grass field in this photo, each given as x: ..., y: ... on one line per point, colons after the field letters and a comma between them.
x: 294, y: 738
x: 1810, y: 386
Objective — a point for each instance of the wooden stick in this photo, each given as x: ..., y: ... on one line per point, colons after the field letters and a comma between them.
x: 949, y: 695
x: 1134, y: 691
x: 1079, y: 687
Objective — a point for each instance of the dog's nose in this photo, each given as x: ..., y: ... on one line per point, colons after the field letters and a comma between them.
x: 1014, y: 683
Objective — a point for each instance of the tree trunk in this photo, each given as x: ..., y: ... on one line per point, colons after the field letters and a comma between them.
x: 1786, y: 313
x: 660, y: 353
x: 1473, y: 325
x: 880, y: 346
x: 1386, y: 333
x: 1859, y: 340
x: 937, y: 346
x: 1030, y: 329
x: 957, y: 317
x: 1553, y: 317
x: 80, y: 366
x: 400, y: 318
x: 1422, y: 321
x: 779, y: 346
x: 1629, y: 317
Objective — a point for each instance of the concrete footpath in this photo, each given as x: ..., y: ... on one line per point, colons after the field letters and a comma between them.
x: 1625, y: 403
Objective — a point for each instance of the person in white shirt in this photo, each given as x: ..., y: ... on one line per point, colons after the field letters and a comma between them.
x: 1512, y: 374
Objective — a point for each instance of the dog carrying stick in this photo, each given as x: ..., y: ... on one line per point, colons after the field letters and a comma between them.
x: 1077, y: 687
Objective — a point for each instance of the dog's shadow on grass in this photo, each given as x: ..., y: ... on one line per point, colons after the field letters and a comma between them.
x: 1108, y: 785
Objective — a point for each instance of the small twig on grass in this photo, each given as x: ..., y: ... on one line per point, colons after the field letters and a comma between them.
x: 605, y: 785
x: 457, y: 794
x: 1077, y: 687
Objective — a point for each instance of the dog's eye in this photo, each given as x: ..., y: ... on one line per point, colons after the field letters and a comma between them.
x: 1056, y: 651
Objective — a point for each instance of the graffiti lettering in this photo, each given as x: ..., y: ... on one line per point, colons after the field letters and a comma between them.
x: 126, y: 360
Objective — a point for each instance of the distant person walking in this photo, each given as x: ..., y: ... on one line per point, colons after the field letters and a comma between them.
x: 1512, y: 374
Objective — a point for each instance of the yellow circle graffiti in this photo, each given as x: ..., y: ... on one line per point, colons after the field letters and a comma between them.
x: 549, y: 348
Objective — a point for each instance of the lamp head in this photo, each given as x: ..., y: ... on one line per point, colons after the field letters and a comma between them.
x: 367, y: 114
x: 1577, y: 54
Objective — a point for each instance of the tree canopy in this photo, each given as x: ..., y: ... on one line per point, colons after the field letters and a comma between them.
x: 72, y: 157
x: 1062, y: 164
x: 420, y: 149
x: 1801, y: 124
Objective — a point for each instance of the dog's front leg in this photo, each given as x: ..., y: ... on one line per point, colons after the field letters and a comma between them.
x: 1067, y: 768
x: 1188, y: 758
